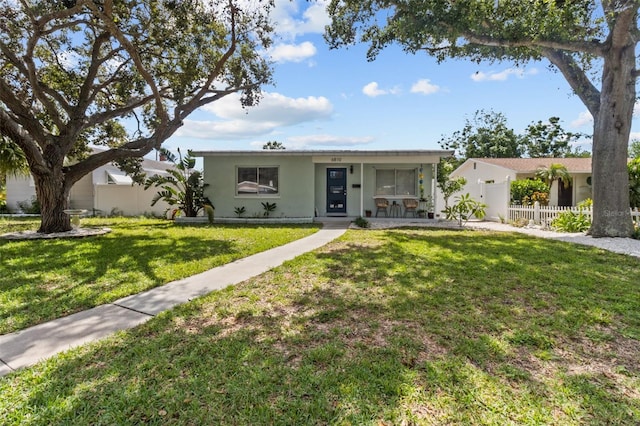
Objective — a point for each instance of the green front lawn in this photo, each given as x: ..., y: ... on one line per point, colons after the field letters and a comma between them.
x: 377, y: 328
x: 46, y: 279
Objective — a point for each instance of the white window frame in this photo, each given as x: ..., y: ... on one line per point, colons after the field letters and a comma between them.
x: 395, y: 182
x: 257, y: 184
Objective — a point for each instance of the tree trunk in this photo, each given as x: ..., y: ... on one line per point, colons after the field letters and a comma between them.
x: 53, y: 196
x: 612, y: 126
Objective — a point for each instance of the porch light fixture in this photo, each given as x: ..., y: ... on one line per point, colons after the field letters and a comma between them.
x: 351, y: 169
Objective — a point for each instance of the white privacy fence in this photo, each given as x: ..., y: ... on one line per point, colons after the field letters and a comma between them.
x: 544, y: 215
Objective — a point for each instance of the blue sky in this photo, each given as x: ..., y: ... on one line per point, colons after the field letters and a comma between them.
x: 335, y: 99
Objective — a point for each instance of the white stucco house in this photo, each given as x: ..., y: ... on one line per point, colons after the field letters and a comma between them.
x: 489, y: 180
x: 106, y: 190
x: 307, y: 183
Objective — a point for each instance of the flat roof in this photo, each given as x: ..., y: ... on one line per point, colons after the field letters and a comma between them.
x: 291, y: 152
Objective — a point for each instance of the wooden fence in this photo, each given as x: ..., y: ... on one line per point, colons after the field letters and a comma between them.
x: 544, y: 215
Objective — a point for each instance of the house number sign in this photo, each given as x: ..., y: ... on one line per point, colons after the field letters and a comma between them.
x: 336, y: 159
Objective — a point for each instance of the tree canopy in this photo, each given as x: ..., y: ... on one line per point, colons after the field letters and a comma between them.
x: 120, y: 74
x: 634, y: 149
x: 273, y: 145
x: 548, y: 139
x: 591, y: 43
x: 485, y: 136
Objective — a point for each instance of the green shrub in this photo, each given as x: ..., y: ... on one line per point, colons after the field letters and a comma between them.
x: 116, y: 212
x: 464, y: 209
x: 571, y: 222
x: 634, y: 182
x: 361, y: 222
x: 31, y: 206
x: 239, y: 211
x: 523, y: 190
x: 268, y: 208
x: 540, y: 197
x: 208, y: 208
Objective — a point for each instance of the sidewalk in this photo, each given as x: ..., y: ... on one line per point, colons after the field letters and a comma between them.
x: 27, y: 347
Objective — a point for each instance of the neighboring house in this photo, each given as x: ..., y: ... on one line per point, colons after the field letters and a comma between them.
x: 489, y: 180
x: 305, y: 184
x: 106, y: 190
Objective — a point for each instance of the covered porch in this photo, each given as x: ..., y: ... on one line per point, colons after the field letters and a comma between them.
x: 351, y: 183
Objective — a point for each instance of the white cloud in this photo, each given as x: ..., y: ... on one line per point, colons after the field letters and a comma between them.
x: 584, y: 118
x: 634, y: 136
x: 292, y: 52
x: 299, y: 142
x: 223, y: 130
x: 372, y: 90
x: 274, y: 111
x: 480, y: 76
x: 425, y: 87
x: 290, y: 23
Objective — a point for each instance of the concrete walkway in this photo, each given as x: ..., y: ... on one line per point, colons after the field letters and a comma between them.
x: 27, y: 347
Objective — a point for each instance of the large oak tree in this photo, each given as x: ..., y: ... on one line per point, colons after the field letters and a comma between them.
x: 119, y: 74
x: 592, y: 43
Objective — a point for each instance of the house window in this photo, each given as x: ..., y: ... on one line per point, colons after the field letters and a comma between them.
x: 118, y: 178
x: 257, y: 181
x: 396, y: 182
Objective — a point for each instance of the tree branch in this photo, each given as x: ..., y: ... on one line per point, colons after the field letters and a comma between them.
x: 23, y: 114
x: 109, y: 23
x: 591, y: 47
x: 575, y: 76
x: 195, y: 101
x: 11, y: 129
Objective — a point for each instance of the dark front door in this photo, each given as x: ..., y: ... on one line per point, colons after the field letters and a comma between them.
x: 565, y: 193
x: 336, y: 191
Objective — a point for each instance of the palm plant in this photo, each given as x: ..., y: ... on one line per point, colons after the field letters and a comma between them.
x: 554, y: 172
x: 12, y: 159
x: 182, y: 187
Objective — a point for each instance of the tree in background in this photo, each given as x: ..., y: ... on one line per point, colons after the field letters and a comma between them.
x: 579, y: 38
x: 634, y: 149
x: 548, y: 140
x: 273, y: 145
x: 182, y: 187
x: 485, y: 136
x: 119, y: 74
x: 447, y: 185
x: 634, y: 182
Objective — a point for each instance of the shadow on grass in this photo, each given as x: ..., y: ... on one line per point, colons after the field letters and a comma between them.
x: 413, y: 327
x: 66, y: 276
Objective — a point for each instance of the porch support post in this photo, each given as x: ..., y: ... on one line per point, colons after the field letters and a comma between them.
x: 434, y: 183
x: 361, y: 189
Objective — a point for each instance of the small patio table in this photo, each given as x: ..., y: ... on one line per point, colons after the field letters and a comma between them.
x: 395, y: 210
